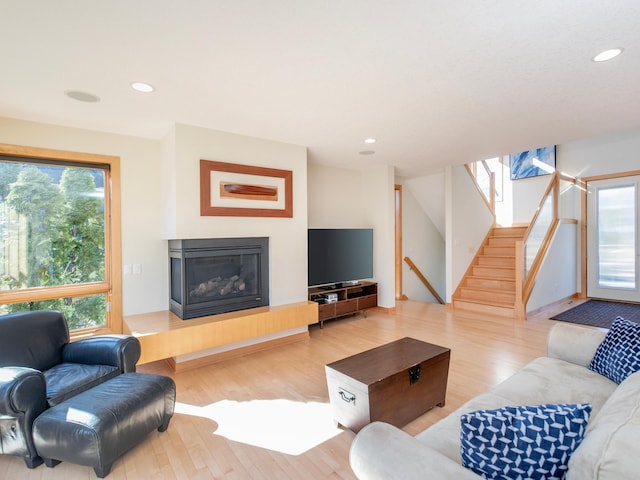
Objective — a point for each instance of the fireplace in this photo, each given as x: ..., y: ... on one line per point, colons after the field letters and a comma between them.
x: 218, y: 275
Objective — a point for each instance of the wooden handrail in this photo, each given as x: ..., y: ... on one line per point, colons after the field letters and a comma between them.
x: 422, y: 278
x: 520, y: 305
x: 491, y: 201
x: 525, y: 280
x: 528, y: 280
x: 550, y: 187
x: 492, y: 186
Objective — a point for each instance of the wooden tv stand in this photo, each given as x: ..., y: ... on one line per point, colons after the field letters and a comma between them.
x: 351, y: 299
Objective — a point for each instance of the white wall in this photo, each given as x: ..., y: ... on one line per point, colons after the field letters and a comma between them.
x: 560, y: 274
x: 141, y: 195
x: 424, y: 244
x: 335, y: 198
x: 160, y: 199
x: 343, y: 198
x: 428, y: 191
x: 556, y: 277
x: 157, y: 205
x: 526, y: 196
x: 607, y: 154
x: 467, y: 223
x: 379, y: 197
x: 287, y: 236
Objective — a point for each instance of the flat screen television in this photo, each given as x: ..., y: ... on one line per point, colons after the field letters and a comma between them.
x: 339, y: 255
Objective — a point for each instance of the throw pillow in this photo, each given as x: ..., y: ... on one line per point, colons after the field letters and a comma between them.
x: 527, y: 442
x: 618, y: 356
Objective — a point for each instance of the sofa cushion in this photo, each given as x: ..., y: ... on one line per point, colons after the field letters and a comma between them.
x: 549, y: 380
x: 522, y: 442
x: 69, y: 379
x: 32, y: 339
x: 610, y: 448
x: 618, y: 356
x: 544, y: 380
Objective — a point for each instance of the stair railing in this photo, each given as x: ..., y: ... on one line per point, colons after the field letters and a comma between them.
x: 485, y: 181
x: 531, y: 250
x: 423, y: 279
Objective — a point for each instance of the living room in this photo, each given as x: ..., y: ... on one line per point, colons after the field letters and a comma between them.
x: 160, y: 201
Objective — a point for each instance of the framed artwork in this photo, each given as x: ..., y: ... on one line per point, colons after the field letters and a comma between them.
x: 230, y: 189
x: 532, y: 163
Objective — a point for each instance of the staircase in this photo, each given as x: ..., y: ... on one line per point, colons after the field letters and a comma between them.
x: 489, y: 285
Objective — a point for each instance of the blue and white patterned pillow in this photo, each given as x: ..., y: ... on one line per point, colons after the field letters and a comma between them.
x: 618, y: 356
x: 528, y: 442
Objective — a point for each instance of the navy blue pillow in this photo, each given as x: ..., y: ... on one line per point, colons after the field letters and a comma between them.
x: 618, y: 356
x: 528, y: 442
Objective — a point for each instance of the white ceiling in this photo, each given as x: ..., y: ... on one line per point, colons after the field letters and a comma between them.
x: 435, y: 81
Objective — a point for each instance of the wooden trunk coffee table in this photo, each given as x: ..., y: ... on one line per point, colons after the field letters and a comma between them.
x: 393, y: 383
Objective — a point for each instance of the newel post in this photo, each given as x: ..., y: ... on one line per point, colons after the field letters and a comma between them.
x: 520, y: 309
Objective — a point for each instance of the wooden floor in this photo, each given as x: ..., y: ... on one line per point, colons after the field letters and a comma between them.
x: 266, y: 415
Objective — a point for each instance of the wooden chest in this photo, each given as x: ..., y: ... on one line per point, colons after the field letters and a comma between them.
x: 393, y: 383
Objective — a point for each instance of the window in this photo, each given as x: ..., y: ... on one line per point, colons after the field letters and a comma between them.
x: 616, y: 237
x: 58, y: 247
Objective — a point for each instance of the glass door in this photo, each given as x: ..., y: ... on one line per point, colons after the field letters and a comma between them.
x: 612, y: 239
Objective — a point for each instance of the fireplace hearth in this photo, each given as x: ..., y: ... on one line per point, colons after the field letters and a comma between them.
x: 218, y: 275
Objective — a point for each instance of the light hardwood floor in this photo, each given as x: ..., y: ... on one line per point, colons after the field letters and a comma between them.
x: 266, y: 415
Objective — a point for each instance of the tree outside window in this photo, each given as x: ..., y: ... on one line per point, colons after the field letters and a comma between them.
x: 52, y: 234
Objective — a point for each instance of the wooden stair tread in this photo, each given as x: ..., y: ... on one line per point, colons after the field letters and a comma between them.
x: 503, y: 297
x: 513, y: 238
x: 503, y: 273
x: 487, y: 290
x: 495, y: 260
x: 489, y: 277
x: 490, y: 286
x: 490, y: 282
x: 484, y: 308
x: 482, y: 302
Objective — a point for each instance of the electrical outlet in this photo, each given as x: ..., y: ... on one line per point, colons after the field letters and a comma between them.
x: 137, y: 268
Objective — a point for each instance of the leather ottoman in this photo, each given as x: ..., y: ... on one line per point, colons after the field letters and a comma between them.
x: 97, y: 426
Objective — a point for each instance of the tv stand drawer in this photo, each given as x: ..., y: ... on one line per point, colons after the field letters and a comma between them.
x: 326, y: 311
x: 347, y: 306
x: 369, y: 301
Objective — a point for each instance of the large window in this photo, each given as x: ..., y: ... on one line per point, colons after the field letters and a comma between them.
x: 56, y: 237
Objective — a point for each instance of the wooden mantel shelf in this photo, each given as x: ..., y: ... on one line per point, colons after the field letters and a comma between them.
x: 163, y: 335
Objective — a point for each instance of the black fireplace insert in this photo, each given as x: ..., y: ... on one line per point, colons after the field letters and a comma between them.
x: 218, y: 275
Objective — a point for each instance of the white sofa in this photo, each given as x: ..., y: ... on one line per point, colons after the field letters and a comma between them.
x: 610, y: 449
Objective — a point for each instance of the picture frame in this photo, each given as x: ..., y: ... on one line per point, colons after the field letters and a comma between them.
x: 533, y: 163
x: 231, y: 189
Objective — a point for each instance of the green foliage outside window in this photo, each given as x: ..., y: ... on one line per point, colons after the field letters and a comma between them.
x: 52, y: 233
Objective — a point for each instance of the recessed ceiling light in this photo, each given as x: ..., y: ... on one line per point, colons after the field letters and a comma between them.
x: 607, y: 55
x: 369, y: 140
x: 367, y: 152
x: 82, y: 96
x: 142, y: 87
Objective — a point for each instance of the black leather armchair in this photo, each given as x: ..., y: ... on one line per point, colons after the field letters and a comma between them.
x: 40, y: 368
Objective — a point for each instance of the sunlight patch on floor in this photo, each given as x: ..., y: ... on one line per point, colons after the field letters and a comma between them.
x: 281, y: 425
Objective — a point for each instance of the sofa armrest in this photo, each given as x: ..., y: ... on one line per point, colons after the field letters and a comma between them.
x: 573, y: 343
x: 122, y: 351
x: 23, y: 396
x: 382, y: 451
x: 22, y: 389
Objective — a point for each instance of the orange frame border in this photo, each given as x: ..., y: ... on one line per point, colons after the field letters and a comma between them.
x: 206, y: 209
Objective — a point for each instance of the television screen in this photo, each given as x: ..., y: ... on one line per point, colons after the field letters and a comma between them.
x: 339, y: 255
